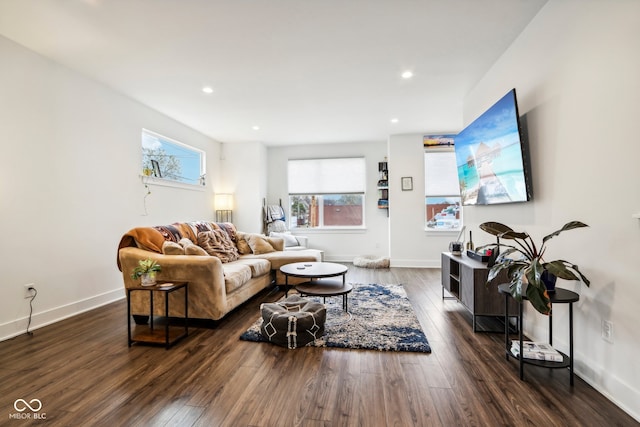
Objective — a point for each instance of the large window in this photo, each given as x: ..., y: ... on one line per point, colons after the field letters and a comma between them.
x: 443, y: 210
x: 326, y: 193
x: 166, y: 159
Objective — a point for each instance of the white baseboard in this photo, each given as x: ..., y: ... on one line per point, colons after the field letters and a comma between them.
x: 415, y: 263
x: 38, y: 320
x: 406, y: 263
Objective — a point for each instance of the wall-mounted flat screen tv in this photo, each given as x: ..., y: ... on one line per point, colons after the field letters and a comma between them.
x: 492, y: 157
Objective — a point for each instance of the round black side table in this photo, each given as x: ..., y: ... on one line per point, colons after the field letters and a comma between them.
x: 560, y: 296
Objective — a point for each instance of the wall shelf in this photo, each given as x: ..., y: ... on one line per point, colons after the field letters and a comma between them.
x: 383, y: 186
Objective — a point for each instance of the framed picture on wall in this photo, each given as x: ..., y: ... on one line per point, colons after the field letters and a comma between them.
x: 407, y: 183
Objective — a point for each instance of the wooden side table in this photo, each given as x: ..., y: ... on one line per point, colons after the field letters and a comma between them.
x: 169, y: 335
x: 560, y: 296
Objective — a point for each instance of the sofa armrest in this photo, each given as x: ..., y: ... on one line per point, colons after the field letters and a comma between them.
x: 207, y: 294
x: 302, y: 240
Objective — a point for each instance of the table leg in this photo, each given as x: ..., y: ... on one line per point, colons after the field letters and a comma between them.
x: 166, y: 315
x: 151, y: 308
x: 571, y: 343
x: 186, y: 309
x: 506, y: 326
x: 551, y: 327
x: 520, y: 334
x: 286, y: 285
x: 129, y: 316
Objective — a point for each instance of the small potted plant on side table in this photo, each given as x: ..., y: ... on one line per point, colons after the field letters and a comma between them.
x: 529, y: 273
x: 146, y: 271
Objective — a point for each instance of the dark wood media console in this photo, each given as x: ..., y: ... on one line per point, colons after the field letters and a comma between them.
x: 466, y: 280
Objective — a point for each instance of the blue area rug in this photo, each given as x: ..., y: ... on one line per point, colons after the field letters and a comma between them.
x: 382, y: 318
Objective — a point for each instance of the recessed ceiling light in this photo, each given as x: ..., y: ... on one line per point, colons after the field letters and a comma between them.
x: 207, y: 89
x: 394, y: 120
x: 255, y: 127
x: 407, y: 74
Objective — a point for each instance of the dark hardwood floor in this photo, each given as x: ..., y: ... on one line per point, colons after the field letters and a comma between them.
x: 84, y: 374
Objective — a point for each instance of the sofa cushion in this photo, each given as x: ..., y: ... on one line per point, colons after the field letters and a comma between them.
x: 289, y: 239
x: 259, y: 244
x: 218, y: 243
x: 278, y: 259
x: 235, y: 275
x: 258, y: 266
x: 191, y: 248
x: 172, y: 248
x: 242, y: 245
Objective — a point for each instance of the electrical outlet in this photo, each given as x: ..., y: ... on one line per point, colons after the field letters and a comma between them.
x: 607, y: 331
x: 29, y: 290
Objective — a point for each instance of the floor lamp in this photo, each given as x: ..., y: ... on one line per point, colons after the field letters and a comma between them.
x: 224, y: 207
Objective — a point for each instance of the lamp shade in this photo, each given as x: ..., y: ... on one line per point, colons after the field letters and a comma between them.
x: 223, y: 201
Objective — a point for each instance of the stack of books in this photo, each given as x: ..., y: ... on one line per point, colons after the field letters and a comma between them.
x: 536, y: 350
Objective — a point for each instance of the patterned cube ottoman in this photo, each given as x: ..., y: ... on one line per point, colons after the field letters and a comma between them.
x: 293, y: 322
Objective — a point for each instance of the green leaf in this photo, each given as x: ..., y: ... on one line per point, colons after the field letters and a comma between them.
x: 539, y: 299
x: 512, y: 235
x: 559, y: 269
x: 568, y: 226
x: 494, y: 228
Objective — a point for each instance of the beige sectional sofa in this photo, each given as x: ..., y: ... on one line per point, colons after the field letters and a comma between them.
x: 217, y: 285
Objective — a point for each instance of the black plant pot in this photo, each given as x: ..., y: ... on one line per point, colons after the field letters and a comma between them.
x: 549, y: 280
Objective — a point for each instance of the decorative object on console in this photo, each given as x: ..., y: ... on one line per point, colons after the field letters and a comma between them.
x: 529, y: 269
x: 223, y: 203
x: 480, y: 256
x: 470, y: 242
x: 456, y: 246
x: 146, y: 271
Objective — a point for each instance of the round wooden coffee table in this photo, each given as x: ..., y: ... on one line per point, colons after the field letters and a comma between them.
x: 319, y: 284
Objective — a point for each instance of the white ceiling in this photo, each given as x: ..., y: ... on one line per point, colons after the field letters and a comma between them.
x: 304, y: 71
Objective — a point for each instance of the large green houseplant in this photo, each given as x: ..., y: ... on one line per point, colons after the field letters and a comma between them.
x: 527, y: 272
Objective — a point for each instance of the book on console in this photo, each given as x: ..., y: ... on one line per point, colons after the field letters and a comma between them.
x: 536, y: 350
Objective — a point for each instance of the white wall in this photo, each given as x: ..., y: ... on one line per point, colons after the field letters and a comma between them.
x: 244, y: 169
x: 69, y: 187
x: 411, y: 245
x: 337, y: 245
x: 575, y: 69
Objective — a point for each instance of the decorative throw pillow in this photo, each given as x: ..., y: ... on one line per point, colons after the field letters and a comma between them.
x: 259, y: 244
x: 172, y: 248
x: 195, y: 250
x: 218, y: 243
x: 289, y: 239
x: 276, y: 242
x: 229, y: 228
x: 191, y: 248
x: 242, y: 245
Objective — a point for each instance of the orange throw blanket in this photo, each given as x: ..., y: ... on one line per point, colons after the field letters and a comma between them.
x: 149, y: 238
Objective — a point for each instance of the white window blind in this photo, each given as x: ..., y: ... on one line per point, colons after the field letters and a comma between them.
x: 327, y: 176
x: 441, y: 174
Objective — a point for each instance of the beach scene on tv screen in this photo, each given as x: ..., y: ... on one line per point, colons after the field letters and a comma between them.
x: 489, y: 157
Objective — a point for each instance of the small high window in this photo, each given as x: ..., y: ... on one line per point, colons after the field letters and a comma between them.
x: 169, y: 160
